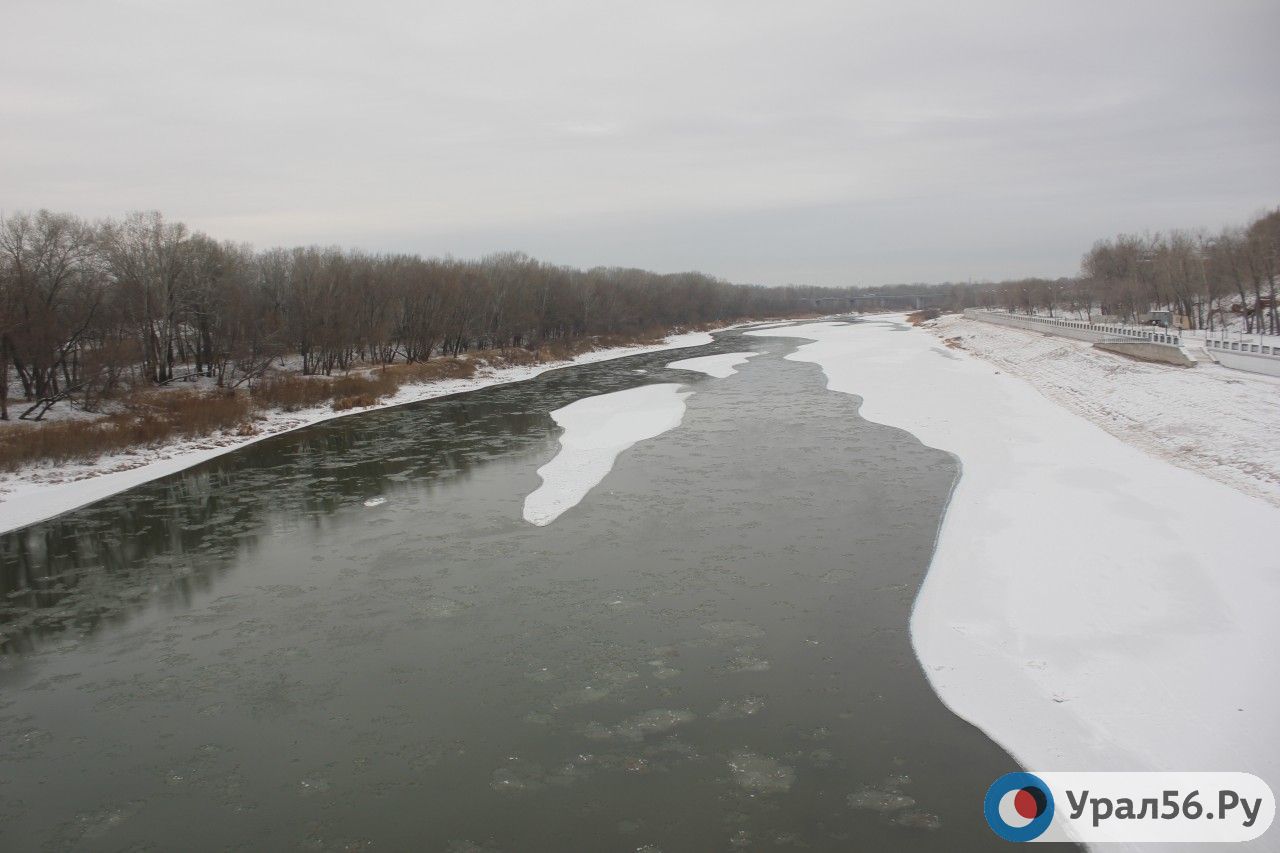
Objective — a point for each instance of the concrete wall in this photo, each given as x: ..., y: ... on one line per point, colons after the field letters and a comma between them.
x: 1147, y: 351
x: 1238, y: 359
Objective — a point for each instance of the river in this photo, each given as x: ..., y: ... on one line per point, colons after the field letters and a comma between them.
x: 348, y: 637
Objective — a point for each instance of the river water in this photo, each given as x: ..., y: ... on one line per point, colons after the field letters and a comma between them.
x: 710, y: 652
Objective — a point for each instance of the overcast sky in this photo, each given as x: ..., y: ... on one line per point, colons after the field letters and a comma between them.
x: 812, y: 142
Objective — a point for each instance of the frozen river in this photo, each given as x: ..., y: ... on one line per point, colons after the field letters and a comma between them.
x: 350, y: 636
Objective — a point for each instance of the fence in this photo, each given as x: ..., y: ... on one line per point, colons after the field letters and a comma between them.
x: 1077, y: 329
x: 1247, y: 355
x: 1240, y: 346
x: 1259, y: 355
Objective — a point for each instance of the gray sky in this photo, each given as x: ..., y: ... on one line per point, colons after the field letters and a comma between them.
x: 811, y: 142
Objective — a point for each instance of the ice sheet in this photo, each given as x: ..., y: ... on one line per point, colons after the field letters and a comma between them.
x: 596, y: 430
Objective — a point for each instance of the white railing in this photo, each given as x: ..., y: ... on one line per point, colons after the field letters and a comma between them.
x: 1078, y: 329
x: 1251, y: 347
x: 1239, y: 335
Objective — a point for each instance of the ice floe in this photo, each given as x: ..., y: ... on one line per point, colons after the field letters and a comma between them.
x: 596, y: 430
x: 760, y: 774
x: 719, y: 366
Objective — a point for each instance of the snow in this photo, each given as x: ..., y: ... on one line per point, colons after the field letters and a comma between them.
x: 596, y: 430
x: 719, y: 366
x: 1220, y: 422
x: 1089, y: 606
x: 41, y: 492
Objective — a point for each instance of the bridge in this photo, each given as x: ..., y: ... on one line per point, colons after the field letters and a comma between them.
x: 879, y: 302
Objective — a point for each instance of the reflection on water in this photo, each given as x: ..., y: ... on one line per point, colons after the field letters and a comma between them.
x: 162, y: 541
x: 709, y: 653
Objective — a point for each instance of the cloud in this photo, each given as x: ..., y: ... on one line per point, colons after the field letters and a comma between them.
x: 820, y: 142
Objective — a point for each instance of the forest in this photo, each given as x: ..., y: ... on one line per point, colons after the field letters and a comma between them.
x: 101, y: 316
x: 89, y: 310
x: 1211, y: 281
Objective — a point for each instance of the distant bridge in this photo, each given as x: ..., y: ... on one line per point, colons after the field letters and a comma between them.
x: 878, y: 302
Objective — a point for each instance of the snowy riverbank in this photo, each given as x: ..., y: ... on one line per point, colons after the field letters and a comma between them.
x: 1222, y: 423
x: 1089, y: 606
x: 41, y: 492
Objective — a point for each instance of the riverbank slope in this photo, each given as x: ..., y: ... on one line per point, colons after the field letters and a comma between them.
x: 1219, y: 422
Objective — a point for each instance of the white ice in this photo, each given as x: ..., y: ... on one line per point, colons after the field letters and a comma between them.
x: 719, y: 366
x: 596, y: 430
x: 1089, y: 606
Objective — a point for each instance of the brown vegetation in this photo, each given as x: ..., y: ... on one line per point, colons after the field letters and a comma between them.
x: 144, y: 421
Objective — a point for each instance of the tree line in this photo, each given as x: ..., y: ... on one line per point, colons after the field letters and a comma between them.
x: 1209, y: 281
x: 89, y: 307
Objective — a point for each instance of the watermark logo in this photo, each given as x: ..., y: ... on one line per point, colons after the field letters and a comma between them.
x: 1129, y: 807
x: 1019, y: 807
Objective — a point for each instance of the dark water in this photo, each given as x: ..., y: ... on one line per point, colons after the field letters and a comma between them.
x: 709, y: 653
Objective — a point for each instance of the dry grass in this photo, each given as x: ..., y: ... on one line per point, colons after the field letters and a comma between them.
x: 432, y: 371
x: 915, y: 318
x: 342, y: 404
x: 147, y: 420
x: 565, y: 349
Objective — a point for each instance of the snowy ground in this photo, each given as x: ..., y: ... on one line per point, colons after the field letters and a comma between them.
x: 40, y: 492
x: 1220, y: 422
x: 1089, y: 606
x: 596, y: 430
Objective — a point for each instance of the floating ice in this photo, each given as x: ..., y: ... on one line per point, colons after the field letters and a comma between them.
x: 747, y: 663
x: 719, y: 366
x: 886, y: 798
x: 372, y: 502
x: 732, y: 630
x: 518, y: 775
x: 463, y: 845
x: 439, y: 607
x: 652, y: 722
x: 313, y: 784
x: 596, y: 430
x: 760, y: 774
x: 646, y: 723
x: 580, y: 696
x: 736, y: 709
x: 918, y: 820
x: 876, y: 800
x: 821, y: 757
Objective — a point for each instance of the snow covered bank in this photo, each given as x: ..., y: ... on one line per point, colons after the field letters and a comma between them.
x: 720, y: 366
x: 596, y: 430
x: 1089, y: 606
x: 1220, y: 422
x: 41, y: 492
